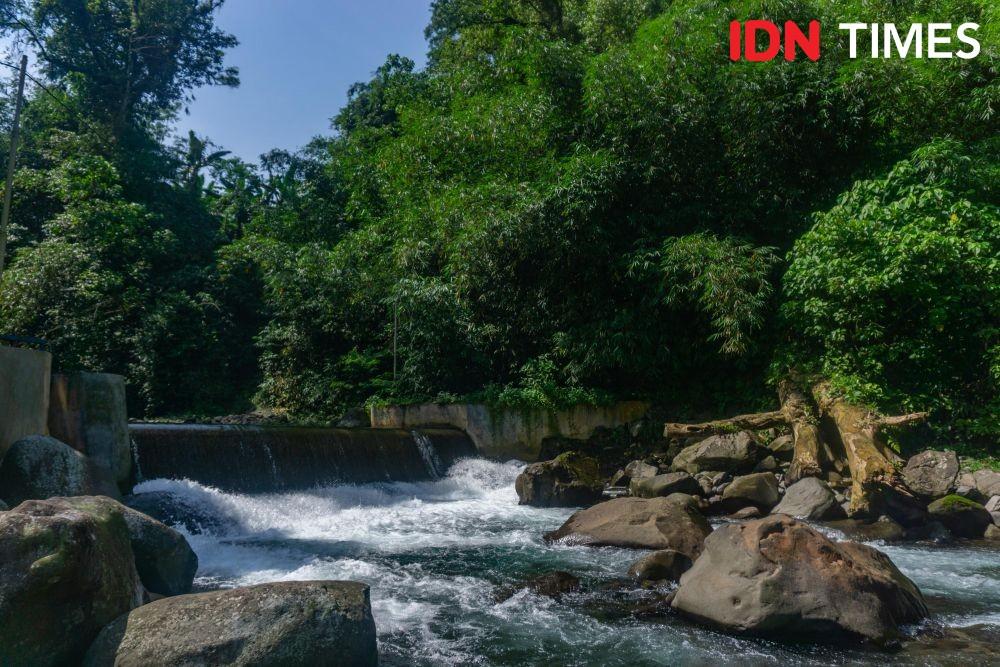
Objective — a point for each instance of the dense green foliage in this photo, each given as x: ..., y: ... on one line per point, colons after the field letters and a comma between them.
x: 575, y: 200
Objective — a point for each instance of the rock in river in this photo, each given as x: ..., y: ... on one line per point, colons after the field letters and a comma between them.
x: 164, y: 559
x: 778, y: 577
x: 963, y: 517
x: 569, y: 480
x: 729, y: 452
x: 673, y: 522
x: 301, y: 623
x: 39, y: 467
x: 664, y: 485
x: 665, y: 565
x: 931, y: 474
x: 809, y: 498
x: 759, y: 490
x: 66, y: 571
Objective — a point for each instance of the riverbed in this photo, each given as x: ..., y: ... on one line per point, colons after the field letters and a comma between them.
x: 436, y: 554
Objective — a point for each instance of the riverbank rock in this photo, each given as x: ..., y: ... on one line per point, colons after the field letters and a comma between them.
x: 759, y: 490
x: 66, y: 571
x: 883, y: 529
x: 664, y: 485
x: 665, y: 565
x: 783, y: 447
x: 931, y: 474
x: 987, y: 482
x: 809, y: 498
x: 164, y: 559
x: 552, y: 585
x: 290, y: 623
x: 963, y: 517
x: 730, y: 452
x: 778, y: 577
x: 673, y: 522
x: 39, y: 467
x: 569, y: 480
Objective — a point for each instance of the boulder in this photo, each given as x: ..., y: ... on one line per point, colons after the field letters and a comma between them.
x: 993, y: 504
x: 759, y: 489
x: 987, y: 482
x: 783, y: 447
x: 87, y: 411
x: 809, y: 498
x: 288, y: 623
x: 673, y: 522
x: 746, y: 513
x: 569, y: 480
x: 664, y: 565
x: 664, y: 485
x: 780, y: 578
x: 963, y: 517
x: 884, y: 529
x: 992, y: 533
x: 767, y: 464
x: 931, y: 474
x: 552, y: 585
x: 640, y: 470
x: 729, y: 452
x: 39, y: 467
x: 164, y: 559
x: 66, y: 571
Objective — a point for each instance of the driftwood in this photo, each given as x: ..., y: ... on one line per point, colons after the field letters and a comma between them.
x: 754, y: 422
x: 830, y: 435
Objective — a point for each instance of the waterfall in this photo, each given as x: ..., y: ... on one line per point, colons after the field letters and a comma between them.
x: 429, y: 455
x: 251, y: 459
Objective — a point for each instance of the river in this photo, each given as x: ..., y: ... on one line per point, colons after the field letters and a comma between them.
x: 435, y: 554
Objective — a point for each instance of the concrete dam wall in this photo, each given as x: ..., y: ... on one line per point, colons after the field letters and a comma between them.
x: 248, y: 459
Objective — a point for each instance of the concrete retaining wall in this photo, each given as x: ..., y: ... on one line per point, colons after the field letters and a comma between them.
x: 88, y: 413
x: 24, y: 394
x: 503, y: 433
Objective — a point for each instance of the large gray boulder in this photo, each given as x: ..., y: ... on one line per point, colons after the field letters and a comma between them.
x: 39, y: 467
x: 569, y: 480
x: 292, y: 623
x: 87, y: 411
x: 963, y: 517
x: 730, y: 452
x: 673, y: 522
x: 987, y: 482
x: 664, y: 485
x: 809, y: 498
x: 778, y: 577
x: 165, y: 561
x: 931, y: 474
x: 759, y: 490
x: 66, y: 571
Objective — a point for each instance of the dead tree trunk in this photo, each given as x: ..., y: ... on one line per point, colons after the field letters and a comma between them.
x: 861, y: 448
x: 872, y: 463
x: 811, y: 455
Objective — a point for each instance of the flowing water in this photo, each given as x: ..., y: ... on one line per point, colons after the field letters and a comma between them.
x: 435, y: 553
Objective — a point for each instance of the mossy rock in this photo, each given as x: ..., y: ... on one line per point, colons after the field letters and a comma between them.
x: 66, y: 571
x: 963, y: 517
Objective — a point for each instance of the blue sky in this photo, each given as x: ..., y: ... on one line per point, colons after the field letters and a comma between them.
x: 297, y: 58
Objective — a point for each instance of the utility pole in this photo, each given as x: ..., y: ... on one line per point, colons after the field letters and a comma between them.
x: 12, y: 161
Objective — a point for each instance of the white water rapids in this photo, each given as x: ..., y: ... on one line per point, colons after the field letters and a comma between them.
x: 435, y: 554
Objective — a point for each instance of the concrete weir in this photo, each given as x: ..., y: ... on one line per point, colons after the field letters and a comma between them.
x: 253, y: 459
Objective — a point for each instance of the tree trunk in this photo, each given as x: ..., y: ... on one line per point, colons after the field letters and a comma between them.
x: 872, y: 463
x: 754, y: 422
x: 812, y: 455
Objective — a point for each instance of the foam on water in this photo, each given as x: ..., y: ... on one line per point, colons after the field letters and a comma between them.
x: 435, y: 553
